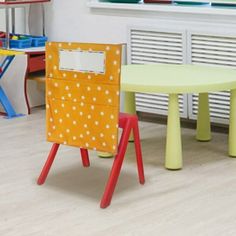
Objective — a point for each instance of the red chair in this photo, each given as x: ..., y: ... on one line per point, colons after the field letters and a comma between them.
x: 87, y: 99
x: 128, y: 123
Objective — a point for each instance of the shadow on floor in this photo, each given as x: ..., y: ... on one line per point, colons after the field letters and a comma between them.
x: 89, y: 182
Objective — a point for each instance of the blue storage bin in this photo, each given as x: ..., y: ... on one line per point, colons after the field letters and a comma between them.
x: 30, y: 41
x: 21, y: 43
x: 38, y: 41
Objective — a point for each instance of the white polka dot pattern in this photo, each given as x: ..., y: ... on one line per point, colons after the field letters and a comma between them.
x: 82, y: 108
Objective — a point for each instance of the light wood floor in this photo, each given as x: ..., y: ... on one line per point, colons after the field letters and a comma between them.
x: 197, y: 200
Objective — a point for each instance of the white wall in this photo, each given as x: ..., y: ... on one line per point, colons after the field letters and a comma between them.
x: 72, y: 20
x: 20, y: 25
x: 2, y: 19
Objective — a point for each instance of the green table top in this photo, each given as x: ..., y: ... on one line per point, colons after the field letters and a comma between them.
x: 166, y: 78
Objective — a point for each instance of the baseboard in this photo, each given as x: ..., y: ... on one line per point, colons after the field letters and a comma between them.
x: 185, y: 123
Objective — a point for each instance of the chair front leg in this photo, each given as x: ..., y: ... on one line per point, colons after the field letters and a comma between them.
x: 111, y: 184
x: 48, y: 164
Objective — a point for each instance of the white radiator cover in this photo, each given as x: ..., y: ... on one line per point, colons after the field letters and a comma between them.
x: 213, y: 49
x: 156, y: 45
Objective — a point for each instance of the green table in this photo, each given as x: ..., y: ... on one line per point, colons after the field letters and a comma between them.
x: 180, y: 79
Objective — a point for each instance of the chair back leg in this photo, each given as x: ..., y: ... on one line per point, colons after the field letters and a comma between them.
x: 138, y: 151
x: 48, y: 164
x: 85, y: 157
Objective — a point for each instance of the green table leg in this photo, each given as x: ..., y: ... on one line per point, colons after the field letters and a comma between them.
x: 203, y: 119
x: 232, y: 124
x: 129, y: 107
x: 173, y: 159
x: 104, y: 155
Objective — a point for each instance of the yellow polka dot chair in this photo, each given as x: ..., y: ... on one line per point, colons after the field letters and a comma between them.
x: 82, y: 106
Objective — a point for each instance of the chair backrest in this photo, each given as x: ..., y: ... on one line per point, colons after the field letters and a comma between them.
x: 82, y: 94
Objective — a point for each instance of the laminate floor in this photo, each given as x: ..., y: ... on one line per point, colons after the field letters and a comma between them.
x: 197, y: 200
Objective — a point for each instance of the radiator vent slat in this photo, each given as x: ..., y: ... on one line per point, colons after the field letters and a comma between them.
x: 218, y: 51
x: 167, y: 61
x: 155, y: 46
x: 219, y: 105
x: 144, y: 56
x: 155, y: 102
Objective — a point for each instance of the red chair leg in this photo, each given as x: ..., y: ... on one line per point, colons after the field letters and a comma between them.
x: 48, y: 164
x: 111, y: 184
x: 138, y: 151
x: 85, y: 157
